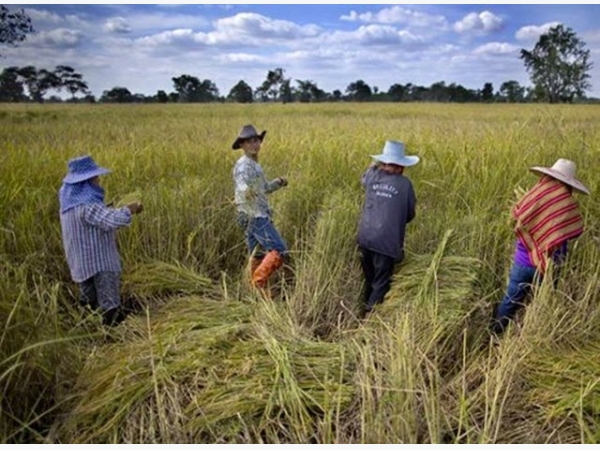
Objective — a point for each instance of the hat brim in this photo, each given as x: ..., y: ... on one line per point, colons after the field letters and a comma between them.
x: 575, y: 184
x: 74, y: 178
x: 238, y: 142
x: 405, y: 161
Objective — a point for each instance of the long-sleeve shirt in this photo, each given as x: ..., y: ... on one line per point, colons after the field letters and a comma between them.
x: 389, y: 205
x: 89, y: 239
x: 252, y: 187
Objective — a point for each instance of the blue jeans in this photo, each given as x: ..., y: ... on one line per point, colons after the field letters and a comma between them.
x: 520, y: 280
x: 260, y: 231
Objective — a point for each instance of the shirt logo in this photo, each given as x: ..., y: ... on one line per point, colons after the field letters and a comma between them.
x: 384, y: 190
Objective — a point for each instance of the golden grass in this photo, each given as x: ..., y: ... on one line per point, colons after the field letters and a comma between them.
x: 209, y: 361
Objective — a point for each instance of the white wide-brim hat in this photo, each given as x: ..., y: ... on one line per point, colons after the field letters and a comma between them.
x: 393, y: 153
x: 563, y: 170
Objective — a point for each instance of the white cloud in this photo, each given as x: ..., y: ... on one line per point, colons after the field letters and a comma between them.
x: 239, y: 58
x: 117, y: 25
x: 59, y: 38
x: 484, y: 22
x: 496, y: 48
x: 38, y: 16
x: 258, y: 26
x: 531, y: 33
x: 397, y: 15
x: 378, y: 34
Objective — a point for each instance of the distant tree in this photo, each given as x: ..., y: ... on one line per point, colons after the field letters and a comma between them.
x: 559, y: 65
x: 38, y: 82
x: 286, y: 93
x: 305, y: 90
x: 397, y: 92
x: 14, y: 26
x: 162, y: 97
x: 512, y: 91
x: 11, y: 89
x: 438, y: 92
x: 71, y: 80
x: 487, y: 93
x: 359, y: 91
x: 117, y: 95
x: 460, y: 94
x: 271, y: 87
x: 336, y: 95
x: 173, y: 97
x: 241, y: 93
x: 192, y: 90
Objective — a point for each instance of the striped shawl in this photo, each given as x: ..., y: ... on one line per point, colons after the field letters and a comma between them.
x: 546, y: 216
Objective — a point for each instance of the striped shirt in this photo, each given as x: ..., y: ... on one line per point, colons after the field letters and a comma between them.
x: 89, y: 239
x: 252, y: 187
x: 547, y: 216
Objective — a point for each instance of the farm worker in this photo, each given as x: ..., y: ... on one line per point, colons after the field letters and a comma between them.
x: 547, y: 217
x: 89, y: 237
x: 266, y: 247
x: 389, y: 205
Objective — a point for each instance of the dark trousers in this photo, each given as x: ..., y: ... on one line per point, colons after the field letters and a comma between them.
x: 377, y: 270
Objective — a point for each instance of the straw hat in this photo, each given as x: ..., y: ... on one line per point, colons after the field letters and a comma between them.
x: 83, y: 168
x: 393, y: 153
x: 563, y: 170
x: 247, y: 132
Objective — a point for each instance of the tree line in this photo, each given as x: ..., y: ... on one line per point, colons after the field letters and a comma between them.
x: 558, y: 66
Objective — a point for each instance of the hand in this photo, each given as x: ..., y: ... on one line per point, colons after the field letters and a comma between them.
x: 283, y: 182
x: 135, y: 208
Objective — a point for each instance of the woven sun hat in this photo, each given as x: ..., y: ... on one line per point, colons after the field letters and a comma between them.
x: 83, y: 168
x: 394, y: 153
x: 563, y: 170
x: 247, y: 132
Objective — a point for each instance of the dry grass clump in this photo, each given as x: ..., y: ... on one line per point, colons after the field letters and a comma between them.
x: 208, y: 371
x: 159, y: 279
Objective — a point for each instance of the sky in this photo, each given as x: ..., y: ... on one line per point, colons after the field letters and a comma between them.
x: 143, y: 46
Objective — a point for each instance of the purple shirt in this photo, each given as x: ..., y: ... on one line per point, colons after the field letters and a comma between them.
x: 522, y: 256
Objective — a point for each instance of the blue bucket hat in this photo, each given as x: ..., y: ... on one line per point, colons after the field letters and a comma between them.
x: 393, y: 153
x: 83, y: 168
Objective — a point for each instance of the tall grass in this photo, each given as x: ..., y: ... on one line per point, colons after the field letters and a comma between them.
x: 208, y: 360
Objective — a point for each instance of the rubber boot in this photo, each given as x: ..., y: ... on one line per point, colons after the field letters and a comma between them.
x: 270, y: 263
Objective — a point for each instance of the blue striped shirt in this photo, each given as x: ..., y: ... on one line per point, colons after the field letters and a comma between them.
x: 89, y: 239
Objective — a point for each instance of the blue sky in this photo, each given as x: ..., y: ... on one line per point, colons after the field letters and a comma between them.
x: 142, y: 46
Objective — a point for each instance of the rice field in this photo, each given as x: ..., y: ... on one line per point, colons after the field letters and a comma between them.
x: 206, y: 360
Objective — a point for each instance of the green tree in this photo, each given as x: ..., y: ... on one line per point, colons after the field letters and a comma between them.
x: 487, y: 93
x: 71, y: 80
x: 359, y: 91
x: 241, y: 93
x: 117, y: 95
x: 272, y: 85
x: 512, y: 91
x: 161, y: 96
x: 38, y: 82
x: 558, y: 65
x: 11, y: 88
x: 14, y: 26
x: 192, y: 90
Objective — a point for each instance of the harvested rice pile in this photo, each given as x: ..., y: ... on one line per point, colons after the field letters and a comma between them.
x: 207, y: 371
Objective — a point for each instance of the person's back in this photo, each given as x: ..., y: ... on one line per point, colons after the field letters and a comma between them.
x: 389, y: 205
